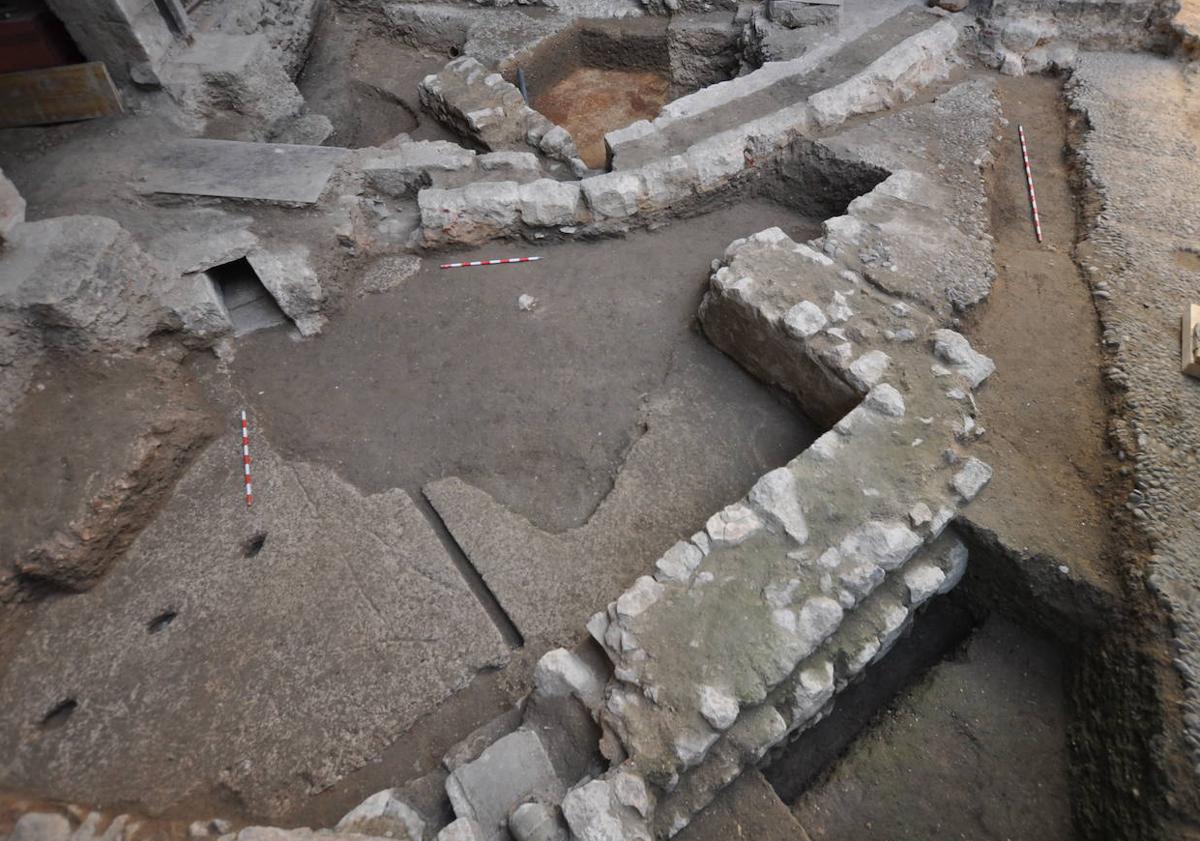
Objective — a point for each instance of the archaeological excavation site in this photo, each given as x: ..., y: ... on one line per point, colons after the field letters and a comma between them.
x: 599, y: 420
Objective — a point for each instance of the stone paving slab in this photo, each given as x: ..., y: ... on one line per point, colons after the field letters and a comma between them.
x: 265, y: 652
x: 276, y: 172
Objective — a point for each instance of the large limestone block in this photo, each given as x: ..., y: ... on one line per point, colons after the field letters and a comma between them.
x: 86, y: 278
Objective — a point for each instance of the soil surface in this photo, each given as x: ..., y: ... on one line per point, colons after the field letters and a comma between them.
x: 1044, y: 408
x: 367, y: 84
x: 80, y: 433
x: 591, y: 101
x: 444, y: 375
x: 976, y: 750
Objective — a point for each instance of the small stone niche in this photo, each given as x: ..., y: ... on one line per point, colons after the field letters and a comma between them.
x: 250, y: 305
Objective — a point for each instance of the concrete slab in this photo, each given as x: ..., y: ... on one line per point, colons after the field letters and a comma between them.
x: 259, y: 654
x: 278, y: 172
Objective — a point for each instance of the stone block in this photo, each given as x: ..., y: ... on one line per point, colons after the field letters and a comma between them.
x: 512, y: 771
x: 287, y: 275
x: 549, y: 203
x: 384, y: 814
x: 537, y: 822
x: 560, y: 672
x: 411, y: 166
x: 795, y: 14
x: 613, y: 195
x: 41, y: 826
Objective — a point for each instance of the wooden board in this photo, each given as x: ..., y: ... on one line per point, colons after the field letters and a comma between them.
x: 57, y: 95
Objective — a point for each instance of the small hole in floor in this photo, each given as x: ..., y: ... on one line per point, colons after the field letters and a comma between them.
x: 254, y: 545
x: 58, y: 714
x: 161, y: 621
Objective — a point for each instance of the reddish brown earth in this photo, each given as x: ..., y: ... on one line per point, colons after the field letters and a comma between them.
x: 590, y: 102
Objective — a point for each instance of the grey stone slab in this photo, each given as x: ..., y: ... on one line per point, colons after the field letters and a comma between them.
x: 281, y: 172
x: 309, y: 631
x: 513, y: 770
x: 258, y: 314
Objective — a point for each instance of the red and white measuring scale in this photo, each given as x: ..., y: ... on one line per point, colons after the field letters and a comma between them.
x: 1037, y: 221
x: 490, y: 262
x: 246, y: 459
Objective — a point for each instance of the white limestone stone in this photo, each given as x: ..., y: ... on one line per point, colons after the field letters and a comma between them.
x: 887, y: 544
x: 940, y: 520
x: 384, y: 813
x: 920, y: 514
x: 839, y: 310
x: 732, y: 525
x: 630, y: 790
x: 680, y: 561
x: 969, y: 481
x: 692, y: 744
x: 954, y: 564
x: 804, y: 319
x: 560, y: 673
x: 40, y: 826
x: 594, y: 814
x: 954, y: 349
x: 549, y: 203
x: 816, y: 620
x: 885, y: 400
x: 634, y: 601
x: 613, y: 195
x: 923, y: 580
x: 869, y: 368
x: 777, y: 495
x: 720, y: 709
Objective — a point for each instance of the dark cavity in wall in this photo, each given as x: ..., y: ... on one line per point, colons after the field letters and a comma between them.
x: 250, y: 305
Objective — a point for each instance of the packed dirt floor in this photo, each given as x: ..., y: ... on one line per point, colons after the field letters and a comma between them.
x: 278, y: 665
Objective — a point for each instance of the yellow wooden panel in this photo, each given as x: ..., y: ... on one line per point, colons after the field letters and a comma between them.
x: 57, y: 95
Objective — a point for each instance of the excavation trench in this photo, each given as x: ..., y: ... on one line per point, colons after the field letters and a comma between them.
x: 602, y: 75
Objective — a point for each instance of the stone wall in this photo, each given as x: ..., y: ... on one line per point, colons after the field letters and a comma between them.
x: 1030, y: 36
x: 707, y: 172
x: 122, y: 33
